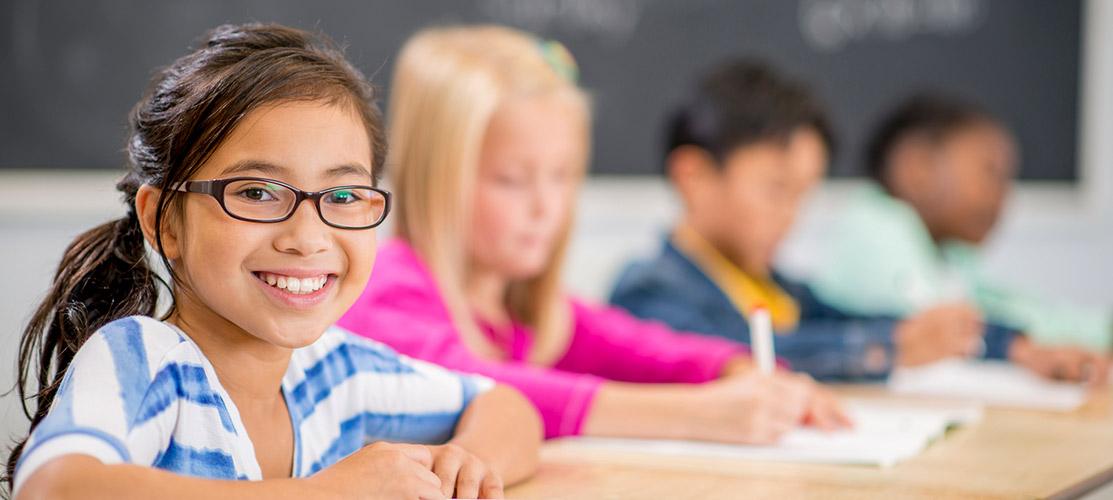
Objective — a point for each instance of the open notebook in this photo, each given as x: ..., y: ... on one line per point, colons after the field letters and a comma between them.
x: 884, y: 433
x: 995, y: 383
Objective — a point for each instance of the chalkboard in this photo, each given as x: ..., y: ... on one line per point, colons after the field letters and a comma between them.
x: 72, y: 70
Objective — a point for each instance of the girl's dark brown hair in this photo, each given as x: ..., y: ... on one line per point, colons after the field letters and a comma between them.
x: 188, y: 110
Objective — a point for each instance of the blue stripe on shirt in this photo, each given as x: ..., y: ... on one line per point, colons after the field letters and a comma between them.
x: 468, y: 390
x: 213, y: 464
x: 363, y: 428
x: 129, y: 357
x: 340, y: 364
x: 182, y: 381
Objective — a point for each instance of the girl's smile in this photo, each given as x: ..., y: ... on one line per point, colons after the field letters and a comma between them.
x: 297, y: 288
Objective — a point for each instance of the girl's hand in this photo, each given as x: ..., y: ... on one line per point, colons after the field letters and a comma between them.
x: 463, y: 475
x: 382, y: 471
x: 750, y: 408
x: 824, y: 410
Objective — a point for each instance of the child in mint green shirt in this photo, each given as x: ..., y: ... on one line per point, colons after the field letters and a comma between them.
x: 943, y: 169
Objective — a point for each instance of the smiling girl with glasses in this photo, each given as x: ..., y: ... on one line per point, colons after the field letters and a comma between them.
x: 243, y: 378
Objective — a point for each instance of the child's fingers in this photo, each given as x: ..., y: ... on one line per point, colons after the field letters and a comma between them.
x: 822, y: 419
x: 418, y: 453
x: 422, y: 482
x: 1073, y: 367
x: 447, y: 467
x: 492, y: 487
x: 830, y: 415
x: 964, y: 340
x: 1099, y: 371
x: 839, y: 415
x: 430, y: 484
x: 469, y: 479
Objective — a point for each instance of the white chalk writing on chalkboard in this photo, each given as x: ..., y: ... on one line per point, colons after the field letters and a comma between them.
x: 830, y: 25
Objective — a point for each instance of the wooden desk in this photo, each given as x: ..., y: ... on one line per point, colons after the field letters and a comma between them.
x: 1008, y: 454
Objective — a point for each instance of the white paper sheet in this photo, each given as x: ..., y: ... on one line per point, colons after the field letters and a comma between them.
x: 884, y: 433
x: 994, y: 383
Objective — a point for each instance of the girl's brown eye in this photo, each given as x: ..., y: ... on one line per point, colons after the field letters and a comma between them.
x: 255, y: 194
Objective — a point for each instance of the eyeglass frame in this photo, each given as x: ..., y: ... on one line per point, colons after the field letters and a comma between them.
x: 215, y: 188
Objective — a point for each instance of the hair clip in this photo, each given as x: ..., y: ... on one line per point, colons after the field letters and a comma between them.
x: 559, y: 59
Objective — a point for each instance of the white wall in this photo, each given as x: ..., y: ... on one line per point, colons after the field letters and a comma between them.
x: 1055, y: 239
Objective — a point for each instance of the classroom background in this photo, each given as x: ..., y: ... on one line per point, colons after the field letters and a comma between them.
x: 73, y: 69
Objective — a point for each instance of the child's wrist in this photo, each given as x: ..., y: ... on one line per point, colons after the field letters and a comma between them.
x: 1020, y: 349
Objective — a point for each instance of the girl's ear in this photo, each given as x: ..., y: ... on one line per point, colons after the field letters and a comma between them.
x: 146, y: 206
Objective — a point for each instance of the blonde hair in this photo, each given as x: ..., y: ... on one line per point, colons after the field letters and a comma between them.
x: 447, y: 85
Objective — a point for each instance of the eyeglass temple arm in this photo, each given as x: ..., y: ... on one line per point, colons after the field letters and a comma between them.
x: 205, y: 187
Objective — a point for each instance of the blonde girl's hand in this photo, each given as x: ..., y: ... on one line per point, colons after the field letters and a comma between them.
x: 825, y: 412
x: 747, y: 408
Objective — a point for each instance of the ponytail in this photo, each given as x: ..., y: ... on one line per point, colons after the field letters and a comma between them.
x: 103, y: 276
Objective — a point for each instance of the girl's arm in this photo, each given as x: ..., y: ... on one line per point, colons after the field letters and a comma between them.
x: 381, y: 470
x: 503, y: 428
x: 615, y: 345
x: 501, y: 433
x: 747, y: 408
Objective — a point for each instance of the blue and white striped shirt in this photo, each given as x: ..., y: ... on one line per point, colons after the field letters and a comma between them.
x: 139, y: 391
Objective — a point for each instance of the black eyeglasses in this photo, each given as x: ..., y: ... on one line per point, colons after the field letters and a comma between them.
x: 256, y: 199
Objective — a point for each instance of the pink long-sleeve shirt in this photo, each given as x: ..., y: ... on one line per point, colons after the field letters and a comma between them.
x: 402, y: 307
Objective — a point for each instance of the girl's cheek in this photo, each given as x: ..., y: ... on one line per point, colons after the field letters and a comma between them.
x: 496, y: 213
x: 360, y: 254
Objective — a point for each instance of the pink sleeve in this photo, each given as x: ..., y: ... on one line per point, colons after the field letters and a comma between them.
x: 563, y: 399
x: 612, y: 344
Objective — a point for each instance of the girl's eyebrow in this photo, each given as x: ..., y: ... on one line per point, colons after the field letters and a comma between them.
x: 255, y: 165
x: 276, y: 170
x: 348, y: 169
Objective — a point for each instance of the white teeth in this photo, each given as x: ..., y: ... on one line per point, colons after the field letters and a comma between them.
x: 294, y: 285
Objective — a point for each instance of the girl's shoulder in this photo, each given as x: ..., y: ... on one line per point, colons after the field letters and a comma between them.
x: 142, y: 326
x: 142, y: 341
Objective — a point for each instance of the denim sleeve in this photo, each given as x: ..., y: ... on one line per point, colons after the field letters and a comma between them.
x: 835, y: 349
x: 840, y: 349
x: 676, y: 314
x: 997, y: 341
